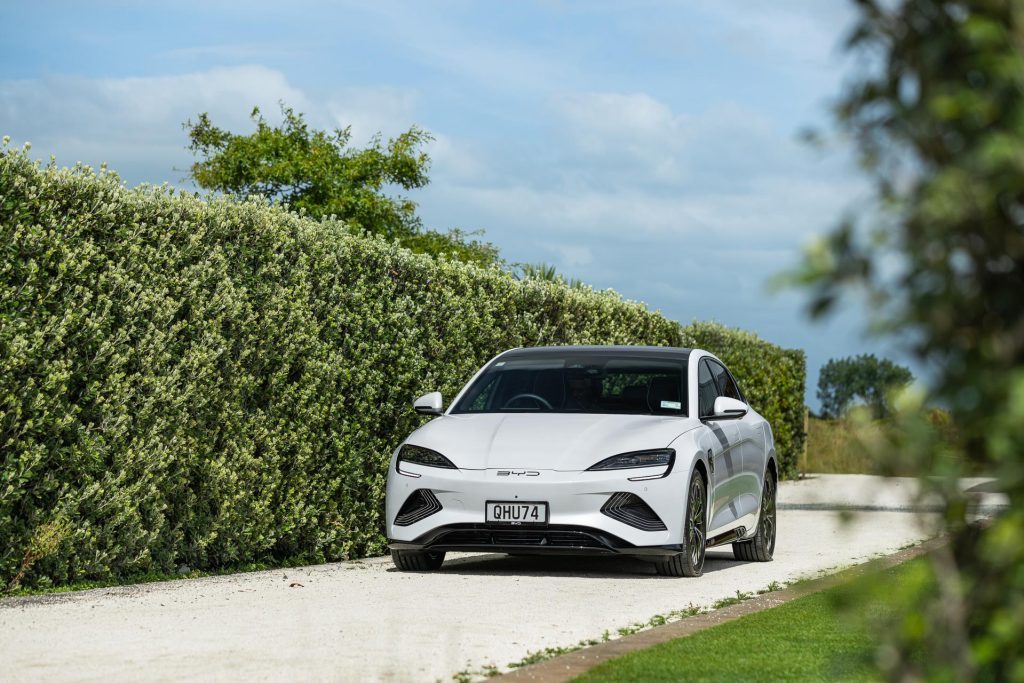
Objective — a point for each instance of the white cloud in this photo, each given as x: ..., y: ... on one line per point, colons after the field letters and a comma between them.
x: 772, y: 210
x: 571, y: 255
x: 135, y: 124
x: 633, y: 116
x: 241, y: 52
x: 637, y: 140
x: 634, y: 127
x: 141, y: 107
x: 627, y: 164
x: 807, y: 32
x: 491, y: 60
x: 457, y: 162
x: 372, y: 110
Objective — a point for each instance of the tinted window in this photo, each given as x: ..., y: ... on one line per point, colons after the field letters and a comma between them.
x: 707, y: 391
x: 725, y: 383
x: 594, y: 383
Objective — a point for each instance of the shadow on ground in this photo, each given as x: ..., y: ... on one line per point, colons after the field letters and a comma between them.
x: 612, y: 567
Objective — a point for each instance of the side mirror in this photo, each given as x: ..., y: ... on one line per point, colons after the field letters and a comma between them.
x: 729, y: 408
x: 428, y: 404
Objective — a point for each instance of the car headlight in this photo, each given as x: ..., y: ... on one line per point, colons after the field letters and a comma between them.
x: 421, y: 456
x: 662, y: 457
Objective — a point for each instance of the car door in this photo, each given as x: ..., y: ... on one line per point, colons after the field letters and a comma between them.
x: 724, y: 461
x: 749, y: 445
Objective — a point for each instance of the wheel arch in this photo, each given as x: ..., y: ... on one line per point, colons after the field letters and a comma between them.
x: 772, y: 468
x: 701, y: 468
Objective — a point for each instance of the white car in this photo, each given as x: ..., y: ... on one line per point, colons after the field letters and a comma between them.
x: 649, y: 452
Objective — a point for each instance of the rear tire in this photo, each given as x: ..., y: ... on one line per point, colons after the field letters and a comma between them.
x: 690, y: 562
x: 761, y: 548
x: 416, y: 560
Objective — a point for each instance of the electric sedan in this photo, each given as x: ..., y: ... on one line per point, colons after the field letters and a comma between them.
x: 649, y: 452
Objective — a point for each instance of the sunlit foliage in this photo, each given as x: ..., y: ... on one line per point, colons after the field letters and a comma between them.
x: 938, y: 116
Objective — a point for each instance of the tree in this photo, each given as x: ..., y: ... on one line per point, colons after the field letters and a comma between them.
x: 865, y: 378
x: 318, y: 172
x: 938, y: 117
x: 546, y: 272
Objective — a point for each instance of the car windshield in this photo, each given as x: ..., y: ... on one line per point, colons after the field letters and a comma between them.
x: 581, y: 384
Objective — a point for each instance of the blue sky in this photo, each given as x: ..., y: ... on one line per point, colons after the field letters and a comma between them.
x: 650, y: 147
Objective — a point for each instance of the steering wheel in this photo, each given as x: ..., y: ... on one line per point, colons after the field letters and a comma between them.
x: 539, y: 399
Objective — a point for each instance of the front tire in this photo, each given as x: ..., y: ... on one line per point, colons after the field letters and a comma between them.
x: 761, y: 548
x: 416, y: 560
x: 690, y: 562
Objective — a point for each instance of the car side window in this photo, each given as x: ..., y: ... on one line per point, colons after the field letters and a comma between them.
x: 707, y: 392
x: 736, y: 387
x: 724, y: 381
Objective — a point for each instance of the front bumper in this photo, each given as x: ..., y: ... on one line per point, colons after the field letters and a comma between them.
x: 547, y: 540
x: 574, y: 503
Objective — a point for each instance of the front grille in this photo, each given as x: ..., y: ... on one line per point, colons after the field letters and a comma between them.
x: 560, y: 538
x: 632, y: 510
x: 419, y: 505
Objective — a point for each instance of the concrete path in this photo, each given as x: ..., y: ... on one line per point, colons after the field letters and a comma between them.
x: 364, y: 621
x: 868, y: 493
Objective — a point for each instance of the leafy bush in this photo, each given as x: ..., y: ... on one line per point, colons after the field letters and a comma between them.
x: 938, y: 251
x: 211, y: 382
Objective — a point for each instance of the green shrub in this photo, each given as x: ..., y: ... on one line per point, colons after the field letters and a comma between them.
x: 212, y: 383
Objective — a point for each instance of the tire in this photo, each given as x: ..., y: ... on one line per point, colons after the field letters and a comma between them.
x: 690, y: 562
x: 416, y: 560
x: 761, y: 548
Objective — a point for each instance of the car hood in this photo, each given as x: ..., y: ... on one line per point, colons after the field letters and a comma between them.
x: 544, y: 441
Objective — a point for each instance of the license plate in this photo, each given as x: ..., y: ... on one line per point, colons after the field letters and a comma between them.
x: 516, y: 513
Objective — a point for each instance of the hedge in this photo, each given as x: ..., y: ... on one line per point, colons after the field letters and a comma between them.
x: 212, y: 383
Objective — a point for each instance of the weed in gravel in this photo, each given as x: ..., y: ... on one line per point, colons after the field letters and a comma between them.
x: 469, y: 674
x: 657, y: 620
x: 534, y: 657
x: 726, y: 602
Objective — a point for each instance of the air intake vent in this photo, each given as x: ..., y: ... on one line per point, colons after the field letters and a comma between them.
x: 503, y: 537
x: 630, y: 509
x: 419, y: 505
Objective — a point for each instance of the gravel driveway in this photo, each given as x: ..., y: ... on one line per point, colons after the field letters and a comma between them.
x: 358, y: 621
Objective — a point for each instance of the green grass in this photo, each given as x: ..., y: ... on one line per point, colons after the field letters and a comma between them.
x: 851, y: 445
x: 833, y: 448
x: 830, y: 635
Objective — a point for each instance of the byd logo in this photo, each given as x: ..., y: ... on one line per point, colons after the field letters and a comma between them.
x: 518, y: 473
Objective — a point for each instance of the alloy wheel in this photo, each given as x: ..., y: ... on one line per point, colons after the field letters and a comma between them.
x: 768, y: 513
x: 695, y: 525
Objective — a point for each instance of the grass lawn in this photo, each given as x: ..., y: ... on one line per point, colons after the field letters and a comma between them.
x: 844, y: 446
x: 830, y: 635
x: 832, y: 449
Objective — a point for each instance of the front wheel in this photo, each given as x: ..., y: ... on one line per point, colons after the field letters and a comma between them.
x: 762, y: 546
x: 690, y: 562
x: 416, y: 560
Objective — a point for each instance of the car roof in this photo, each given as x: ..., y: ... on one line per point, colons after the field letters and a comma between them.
x: 637, y: 351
